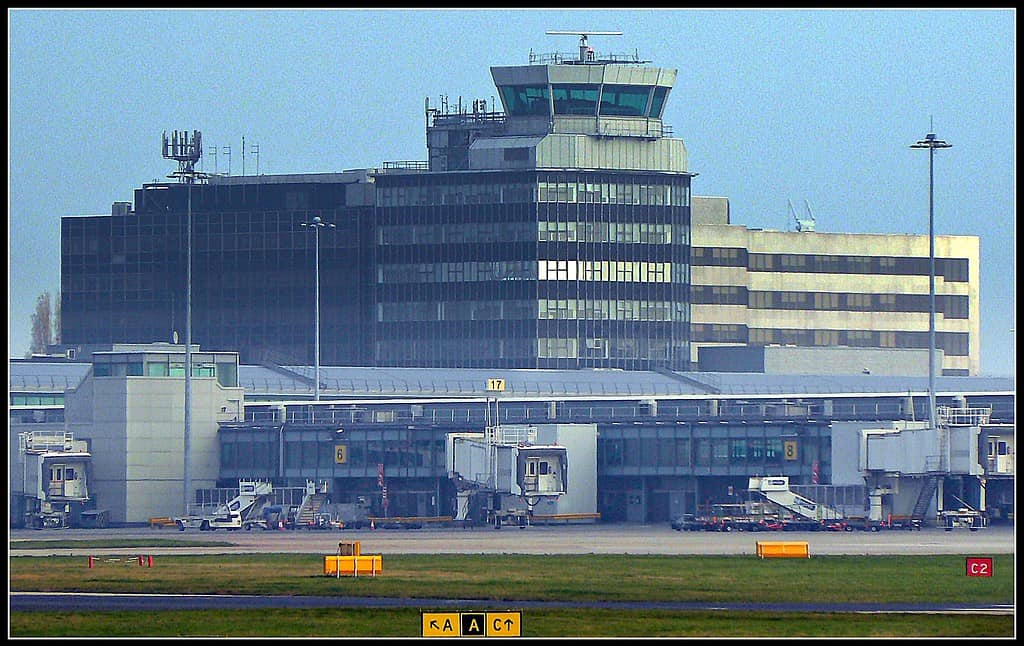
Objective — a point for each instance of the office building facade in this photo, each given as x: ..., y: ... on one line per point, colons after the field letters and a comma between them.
x: 811, y: 288
x: 556, y: 238
x: 556, y: 233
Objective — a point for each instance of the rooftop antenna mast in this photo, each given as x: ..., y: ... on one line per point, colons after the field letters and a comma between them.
x: 802, y: 224
x: 810, y: 222
x: 186, y: 151
x: 586, y: 52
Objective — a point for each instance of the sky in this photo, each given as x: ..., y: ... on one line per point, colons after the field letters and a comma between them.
x: 812, y: 107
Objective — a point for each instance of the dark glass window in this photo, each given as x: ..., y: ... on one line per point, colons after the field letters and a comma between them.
x: 575, y: 99
x: 658, y: 102
x: 624, y: 100
x: 526, y: 99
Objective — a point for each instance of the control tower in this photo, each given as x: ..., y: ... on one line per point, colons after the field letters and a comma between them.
x: 585, y: 111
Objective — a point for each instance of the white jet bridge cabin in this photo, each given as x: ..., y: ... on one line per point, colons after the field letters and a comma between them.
x: 501, y: 475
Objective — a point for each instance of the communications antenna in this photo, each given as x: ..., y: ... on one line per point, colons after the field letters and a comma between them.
x: 586, y: 52
x: 186, y: 151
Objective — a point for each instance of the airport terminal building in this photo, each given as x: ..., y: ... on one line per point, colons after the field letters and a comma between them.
x: 667, y: 442
x: 554, y: 245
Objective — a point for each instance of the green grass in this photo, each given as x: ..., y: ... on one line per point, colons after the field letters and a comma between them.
x: 498, y: 581
x: 499, y: 577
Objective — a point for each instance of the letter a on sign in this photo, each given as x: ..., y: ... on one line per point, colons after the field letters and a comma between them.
x: 473, y: 623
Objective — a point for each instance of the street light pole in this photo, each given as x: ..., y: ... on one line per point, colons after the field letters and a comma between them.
x: 187, y: 469
x: 316, y: 225
x: 186, y: 150
x: 931, y: 143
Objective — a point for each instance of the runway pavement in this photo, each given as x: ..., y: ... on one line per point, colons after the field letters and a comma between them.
x: 546, y: 539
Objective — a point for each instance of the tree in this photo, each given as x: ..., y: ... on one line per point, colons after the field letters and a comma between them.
x: 56, y: 318
x: 45, y: 324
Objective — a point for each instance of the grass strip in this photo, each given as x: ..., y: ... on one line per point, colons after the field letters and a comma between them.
x: 505, y: 577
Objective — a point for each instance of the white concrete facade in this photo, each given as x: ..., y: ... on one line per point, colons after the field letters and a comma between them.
x: 135, y: 427
x: 826, y: 323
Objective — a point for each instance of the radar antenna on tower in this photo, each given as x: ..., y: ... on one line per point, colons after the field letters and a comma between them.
x: 586, y: 51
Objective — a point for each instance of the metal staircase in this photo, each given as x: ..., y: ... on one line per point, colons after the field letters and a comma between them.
x: 307, y: 513
x: 924, y: 498
x: 776, y: 489
x: 314, y: 499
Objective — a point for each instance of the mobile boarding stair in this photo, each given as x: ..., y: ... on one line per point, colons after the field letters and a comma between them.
x: 776, y: 490
x: 312, y: 502
x: 251, y: 496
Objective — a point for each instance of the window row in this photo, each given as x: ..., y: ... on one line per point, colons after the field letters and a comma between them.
x: 613, y: 193
x: 611, y: 310
x: 952, y: 343
x: 456, y: 272
x: 515, y: 310
x: 451, y: 352
x: 446, y: 194
x: 616, y: 232
x: 704, y: 452
x: 951, y: 269
x: 950, y: 306
x: 36, y: 416
x: 37, y: 400
x: 545, y: 309
x: 424, y: 234
x: 605, y: 271
x: 568, y: 190
x: 226, y: 372
x: 543, y: 231
x: 584, y: 99
x: 621, y: 348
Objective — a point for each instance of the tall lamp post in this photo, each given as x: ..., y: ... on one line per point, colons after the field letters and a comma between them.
x: 931, y: 143
x: 186, y: 150
x: 316, y: 225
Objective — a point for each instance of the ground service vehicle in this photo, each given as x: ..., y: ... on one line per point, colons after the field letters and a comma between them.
x: 243, y: 508
x: 270, y: 517
x: 963, y: 517
x: 688, y: 523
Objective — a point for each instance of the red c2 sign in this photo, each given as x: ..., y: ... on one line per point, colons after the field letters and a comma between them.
x: 979, y: 567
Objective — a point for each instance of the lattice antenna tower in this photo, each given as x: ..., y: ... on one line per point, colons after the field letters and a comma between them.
x: 185, y: 149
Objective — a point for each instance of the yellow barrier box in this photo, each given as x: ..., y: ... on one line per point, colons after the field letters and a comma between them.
x: 371, y: 564
x: 783, y: 549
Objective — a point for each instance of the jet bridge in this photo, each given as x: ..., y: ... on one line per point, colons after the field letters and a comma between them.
x: 49, y: 479
x: 507, y: 471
